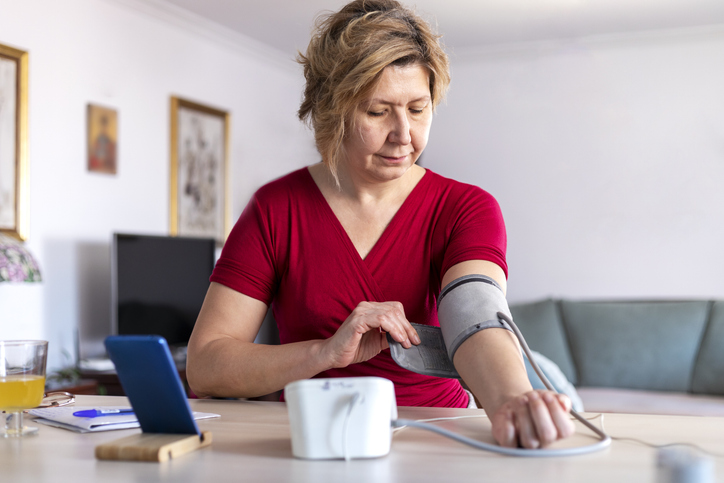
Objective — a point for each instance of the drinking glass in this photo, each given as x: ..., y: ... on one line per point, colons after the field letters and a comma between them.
x: 22, y: 382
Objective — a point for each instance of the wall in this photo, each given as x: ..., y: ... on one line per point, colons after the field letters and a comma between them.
x: 131, y: 56
x: 606, y: 155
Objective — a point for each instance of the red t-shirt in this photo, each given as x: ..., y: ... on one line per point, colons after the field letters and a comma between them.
x: 288, y: 249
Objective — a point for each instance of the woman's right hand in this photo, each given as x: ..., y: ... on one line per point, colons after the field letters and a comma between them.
x: 363, y: 335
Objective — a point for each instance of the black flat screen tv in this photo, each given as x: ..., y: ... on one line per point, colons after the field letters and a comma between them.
x: 158, y: 284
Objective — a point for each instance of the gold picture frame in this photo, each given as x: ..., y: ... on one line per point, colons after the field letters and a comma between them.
x: 102, y: 139
x: 14, y: 182
x: 199, y: 194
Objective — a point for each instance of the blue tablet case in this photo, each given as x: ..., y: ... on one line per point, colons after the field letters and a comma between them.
x: 150, y: 379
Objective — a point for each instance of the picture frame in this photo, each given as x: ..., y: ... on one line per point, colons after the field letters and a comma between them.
x: 14, y: 182
x: 102, y: 139
x: 199, y: 195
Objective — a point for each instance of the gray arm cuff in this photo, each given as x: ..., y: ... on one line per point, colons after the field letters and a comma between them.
x: 468, y: 305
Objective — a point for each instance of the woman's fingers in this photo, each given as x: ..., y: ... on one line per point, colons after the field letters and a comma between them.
x: 545, y: 429
x: 559, y: 406
x: 504, y: 430
x: 524, y: 425
x: 564, y: 401
x: 361, y: 336
x: 390, y: 317
x: 537, y: 419
x: 404, y: 333
x: 408, y: 331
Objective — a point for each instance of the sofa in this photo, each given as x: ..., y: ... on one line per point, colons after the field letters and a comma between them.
x: 655, y: 357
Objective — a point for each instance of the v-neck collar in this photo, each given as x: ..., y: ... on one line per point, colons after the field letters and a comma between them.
x: 382, y: 240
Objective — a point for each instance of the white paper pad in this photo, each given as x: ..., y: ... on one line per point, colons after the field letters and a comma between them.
x: 62, y: 417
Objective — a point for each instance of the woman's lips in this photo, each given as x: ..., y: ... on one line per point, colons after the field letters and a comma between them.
x: 395, y: 159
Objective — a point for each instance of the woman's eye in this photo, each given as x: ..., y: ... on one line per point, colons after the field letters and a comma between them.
x: 375, y: 113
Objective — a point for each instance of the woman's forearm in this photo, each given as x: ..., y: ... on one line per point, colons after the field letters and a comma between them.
x: 223, y: 359
x: 491, y: 365
x: 227, y: 367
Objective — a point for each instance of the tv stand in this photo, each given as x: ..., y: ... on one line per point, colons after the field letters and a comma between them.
x: 109, y: 385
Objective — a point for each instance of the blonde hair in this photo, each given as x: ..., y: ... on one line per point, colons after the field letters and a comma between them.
x: 348, y: 51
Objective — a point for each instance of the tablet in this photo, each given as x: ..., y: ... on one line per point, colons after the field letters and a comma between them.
x: 151, y: 381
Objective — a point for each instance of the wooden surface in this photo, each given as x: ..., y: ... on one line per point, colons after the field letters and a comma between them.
x: 252, y: 443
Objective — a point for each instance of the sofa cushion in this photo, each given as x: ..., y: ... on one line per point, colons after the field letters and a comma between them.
x: 540, y: 324
x: 709, y: 370
x: 635, y: 345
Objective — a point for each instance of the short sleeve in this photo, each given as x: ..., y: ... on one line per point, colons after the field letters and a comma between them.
x: 247, y: 262
x: 476, y: 230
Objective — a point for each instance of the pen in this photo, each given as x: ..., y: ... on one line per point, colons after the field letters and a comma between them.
x: 94, y: 413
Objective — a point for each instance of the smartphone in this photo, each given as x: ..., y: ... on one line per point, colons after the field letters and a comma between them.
x: 150, y: 379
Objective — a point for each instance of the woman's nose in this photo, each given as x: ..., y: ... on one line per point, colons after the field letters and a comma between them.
x: 400, y: 132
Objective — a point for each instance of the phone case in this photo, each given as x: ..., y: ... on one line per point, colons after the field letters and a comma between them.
x: 151, y: 381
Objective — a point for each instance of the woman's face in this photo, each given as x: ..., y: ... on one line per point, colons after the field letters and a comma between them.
x: 391, y: 126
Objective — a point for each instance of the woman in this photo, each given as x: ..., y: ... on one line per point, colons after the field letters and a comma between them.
x: 360, y: 244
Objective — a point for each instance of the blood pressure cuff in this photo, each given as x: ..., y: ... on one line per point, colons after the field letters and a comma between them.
x: 466, y: 305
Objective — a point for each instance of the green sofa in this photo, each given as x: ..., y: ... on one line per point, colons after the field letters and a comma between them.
x: 664, y: 357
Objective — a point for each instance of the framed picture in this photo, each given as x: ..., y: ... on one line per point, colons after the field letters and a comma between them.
x: 102, y: 139
x: 199, y: 168
x: 14, y: 142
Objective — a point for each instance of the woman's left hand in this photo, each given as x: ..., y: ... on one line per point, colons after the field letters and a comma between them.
x: 533, y: 420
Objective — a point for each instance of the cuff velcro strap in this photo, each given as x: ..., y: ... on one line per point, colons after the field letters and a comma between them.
x: 429, y: 358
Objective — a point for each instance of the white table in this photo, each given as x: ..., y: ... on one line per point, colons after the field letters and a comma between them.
x: 251, y: 443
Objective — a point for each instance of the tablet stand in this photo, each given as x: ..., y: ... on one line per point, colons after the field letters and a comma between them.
x: 152, y: 446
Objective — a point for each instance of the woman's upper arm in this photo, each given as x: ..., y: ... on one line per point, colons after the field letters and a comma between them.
x: 227, y: 313
x: 476, y: 239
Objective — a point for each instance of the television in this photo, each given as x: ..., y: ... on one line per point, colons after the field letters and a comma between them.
x: 158, y: 284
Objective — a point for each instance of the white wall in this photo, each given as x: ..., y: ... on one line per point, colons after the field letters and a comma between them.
x: 607, y: 156
x: 130, y: 56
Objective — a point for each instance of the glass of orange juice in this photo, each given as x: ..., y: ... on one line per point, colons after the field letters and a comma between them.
x: 22, y: 382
